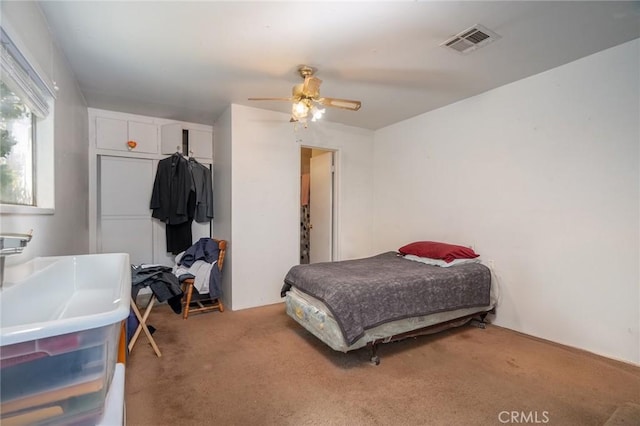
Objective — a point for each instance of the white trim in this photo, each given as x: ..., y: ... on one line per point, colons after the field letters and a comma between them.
x: 44, y: 183
x: 337, y: 167
x: 16, y: 209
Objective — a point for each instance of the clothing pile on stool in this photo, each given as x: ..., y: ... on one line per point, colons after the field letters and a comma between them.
x: 164, y: 285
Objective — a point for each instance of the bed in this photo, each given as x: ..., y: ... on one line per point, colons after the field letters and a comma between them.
x: 387, y: 297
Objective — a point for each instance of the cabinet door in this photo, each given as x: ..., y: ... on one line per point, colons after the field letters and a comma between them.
x: 145, y: 135
x: 171, y: 138
x: 201, y: 143
x: 125, y: 223
x: 111, y: 133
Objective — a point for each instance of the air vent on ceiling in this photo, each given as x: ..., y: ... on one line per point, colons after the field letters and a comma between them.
x: 471, y: 39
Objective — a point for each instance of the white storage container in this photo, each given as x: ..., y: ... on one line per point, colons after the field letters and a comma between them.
x: 59, y: 340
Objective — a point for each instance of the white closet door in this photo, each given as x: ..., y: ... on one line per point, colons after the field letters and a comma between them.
x: 161, y: 256
x: 200, y: 230
x: 128, y: 235
x: 125, y: 224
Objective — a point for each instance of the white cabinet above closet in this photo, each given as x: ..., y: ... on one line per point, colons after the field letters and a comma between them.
x: 126, y: 135
x: 190, y: 141
x: 201, y: 143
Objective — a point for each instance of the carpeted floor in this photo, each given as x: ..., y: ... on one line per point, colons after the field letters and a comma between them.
x: 259, y: 367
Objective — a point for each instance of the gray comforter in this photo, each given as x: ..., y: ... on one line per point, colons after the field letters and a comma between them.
x: 365, y: 293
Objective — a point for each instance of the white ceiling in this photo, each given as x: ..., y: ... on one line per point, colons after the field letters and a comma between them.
x: 189, y: 60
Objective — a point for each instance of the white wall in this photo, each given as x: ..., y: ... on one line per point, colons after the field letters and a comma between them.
x: 65, y: 231
x: 266, y: 197
x: 542, y: 177
x: 221, y: 224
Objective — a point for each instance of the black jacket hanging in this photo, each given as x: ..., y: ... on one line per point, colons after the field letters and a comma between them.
x: 179, y: 237
x: 173, y: 201
x: 171, y: 189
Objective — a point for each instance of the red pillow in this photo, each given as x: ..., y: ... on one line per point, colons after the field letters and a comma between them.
x: 435, y: 250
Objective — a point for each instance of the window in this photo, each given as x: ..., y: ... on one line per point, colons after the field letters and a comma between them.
x: 26, y: 132
x: 17, y: 126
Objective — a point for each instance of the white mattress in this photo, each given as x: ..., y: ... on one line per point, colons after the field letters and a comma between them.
x: 314, y: 315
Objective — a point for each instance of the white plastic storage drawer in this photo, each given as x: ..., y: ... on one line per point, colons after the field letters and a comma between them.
x: 58, y: 380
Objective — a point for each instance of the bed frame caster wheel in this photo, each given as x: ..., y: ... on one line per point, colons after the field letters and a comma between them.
x: 478, y: 323
x: 375, y: 359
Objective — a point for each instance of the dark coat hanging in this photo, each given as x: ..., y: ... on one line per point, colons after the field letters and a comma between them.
x: 171, y: 189
x: 174, y: 201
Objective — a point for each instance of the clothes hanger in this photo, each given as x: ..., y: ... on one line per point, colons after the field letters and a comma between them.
x: 179, y: 152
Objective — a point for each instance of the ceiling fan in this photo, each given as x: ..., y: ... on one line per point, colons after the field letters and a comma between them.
x: 306, y: 97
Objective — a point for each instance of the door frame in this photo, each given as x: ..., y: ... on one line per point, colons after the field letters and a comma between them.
x: 335, y: 226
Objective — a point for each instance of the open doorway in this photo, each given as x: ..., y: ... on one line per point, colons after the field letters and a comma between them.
x: 317, y: 180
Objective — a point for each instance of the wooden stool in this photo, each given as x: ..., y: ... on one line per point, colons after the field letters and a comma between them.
x: 142, y: 325
x: 187, y: 288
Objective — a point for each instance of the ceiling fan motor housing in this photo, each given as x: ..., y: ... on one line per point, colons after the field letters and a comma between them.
x: 306, y: 93
x: 306, y: 71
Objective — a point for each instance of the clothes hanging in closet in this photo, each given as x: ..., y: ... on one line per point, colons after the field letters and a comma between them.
x: 171, y: 190
x: 204, y: 192
x: 181, y: 188
x: 179, y: 235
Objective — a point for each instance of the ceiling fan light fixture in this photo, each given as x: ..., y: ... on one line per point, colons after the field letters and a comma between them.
x: 317, y: 113
x: 300, y: 109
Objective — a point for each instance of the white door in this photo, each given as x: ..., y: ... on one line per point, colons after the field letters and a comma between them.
x: 321, y: 208
x: 125, y: 223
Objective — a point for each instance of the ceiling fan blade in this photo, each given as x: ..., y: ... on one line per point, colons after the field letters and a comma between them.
x: 340, y: 103
x: 271, y: 99
x: 311, y: 86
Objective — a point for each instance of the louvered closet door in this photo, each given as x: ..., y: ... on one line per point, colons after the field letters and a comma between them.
x: 125, y: 223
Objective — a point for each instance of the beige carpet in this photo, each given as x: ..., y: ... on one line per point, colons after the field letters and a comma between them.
x: 259, y: 367
x: 626, y: 415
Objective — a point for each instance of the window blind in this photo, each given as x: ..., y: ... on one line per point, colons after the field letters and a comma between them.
x: 22, y: 79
